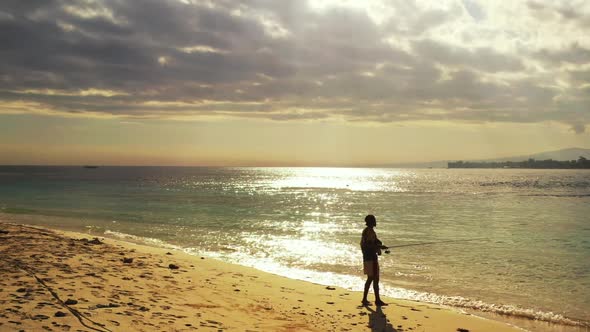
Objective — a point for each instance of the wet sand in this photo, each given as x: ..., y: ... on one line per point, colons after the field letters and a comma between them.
x: 63, y: 281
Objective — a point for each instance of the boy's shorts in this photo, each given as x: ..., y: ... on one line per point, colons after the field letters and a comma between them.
x: 371, y: 268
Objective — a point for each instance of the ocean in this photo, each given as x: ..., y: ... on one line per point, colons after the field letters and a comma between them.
x: 513, y: 244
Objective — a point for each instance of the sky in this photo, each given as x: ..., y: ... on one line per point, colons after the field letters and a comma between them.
x: 290, y: 82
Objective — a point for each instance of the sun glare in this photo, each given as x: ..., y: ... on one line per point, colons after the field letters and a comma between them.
x: 333, y: 178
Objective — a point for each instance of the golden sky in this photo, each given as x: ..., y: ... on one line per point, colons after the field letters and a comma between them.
x: 291, y: 82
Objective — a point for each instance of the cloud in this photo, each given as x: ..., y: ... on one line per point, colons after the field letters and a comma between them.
x: 411, y: 20
x: 578, y: 128
x: 483, y: 58
x: 570, y: 12
x: 573, y: 54
x: 474, y: 10
x: 288, y: 61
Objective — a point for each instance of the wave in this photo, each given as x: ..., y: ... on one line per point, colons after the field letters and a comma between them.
x: 560, y: 195
x: 536, y: 184
x: 140, y: 239
x: 501, y: 309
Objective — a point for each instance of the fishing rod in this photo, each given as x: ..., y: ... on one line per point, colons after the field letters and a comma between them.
x: 434, y: 242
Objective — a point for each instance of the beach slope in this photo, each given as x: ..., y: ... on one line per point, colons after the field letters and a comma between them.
x: 61, y: 281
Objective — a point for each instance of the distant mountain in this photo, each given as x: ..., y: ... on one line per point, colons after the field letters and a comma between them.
x: 563, y: 154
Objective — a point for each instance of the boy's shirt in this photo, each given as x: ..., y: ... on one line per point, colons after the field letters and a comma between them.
x: 369, y: 244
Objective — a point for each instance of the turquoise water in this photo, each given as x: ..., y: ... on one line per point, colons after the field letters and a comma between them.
x: 508, y: 241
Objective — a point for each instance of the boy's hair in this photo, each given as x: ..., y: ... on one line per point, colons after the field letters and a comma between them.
x: 370, y: 219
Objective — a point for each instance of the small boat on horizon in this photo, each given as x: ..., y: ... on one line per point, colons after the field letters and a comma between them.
x: 90, y: 166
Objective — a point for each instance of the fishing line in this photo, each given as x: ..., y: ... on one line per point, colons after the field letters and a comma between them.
x: 434, y: 242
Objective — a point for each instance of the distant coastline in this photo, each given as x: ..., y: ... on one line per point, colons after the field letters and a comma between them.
x: 581, y: 163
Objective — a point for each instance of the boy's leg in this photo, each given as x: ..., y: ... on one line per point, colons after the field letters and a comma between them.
x: 376, y: 290
x: 366, y: 291
x: 378, y: 301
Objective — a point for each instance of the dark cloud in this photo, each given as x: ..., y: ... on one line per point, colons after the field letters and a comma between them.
x: 270, y: 59
x: 578, y: 128
x: 580, y: 77
x: 566, y: 13
x: 483, y: 58
x: 574, y: 54
x: 416, y: 21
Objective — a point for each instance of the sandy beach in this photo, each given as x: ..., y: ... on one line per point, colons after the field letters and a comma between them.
x: 62, y: 281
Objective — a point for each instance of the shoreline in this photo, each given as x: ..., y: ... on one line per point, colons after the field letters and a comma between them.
x: 525, y: 319
x: 202, y: 293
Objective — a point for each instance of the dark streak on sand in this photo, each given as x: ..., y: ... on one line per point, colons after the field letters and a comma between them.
x: 35, y: 276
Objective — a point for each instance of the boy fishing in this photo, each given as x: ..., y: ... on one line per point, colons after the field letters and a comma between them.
x: 371, y: 247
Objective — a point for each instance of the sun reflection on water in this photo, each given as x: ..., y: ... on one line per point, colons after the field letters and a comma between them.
x: 303, y: 252
x: 353, y: 179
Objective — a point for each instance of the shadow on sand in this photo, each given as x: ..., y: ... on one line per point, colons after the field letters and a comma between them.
x: 378, y: 321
